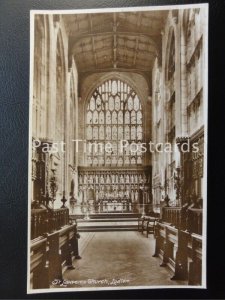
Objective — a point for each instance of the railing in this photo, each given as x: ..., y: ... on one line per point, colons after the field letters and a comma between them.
x: 189, y: 219
x: 48, y: 256
x: 58, y: 218
x: 39, y: 222
x: 194, y: 220
x: 44, y: 221
x: 108, y: 208
x: 172, y: 215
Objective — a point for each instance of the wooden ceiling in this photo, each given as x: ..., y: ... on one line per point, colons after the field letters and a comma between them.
x: 122, y: 41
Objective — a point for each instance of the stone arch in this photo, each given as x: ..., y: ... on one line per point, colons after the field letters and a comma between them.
x: 47, y: 74
x: 39, y: 39
x: 60, y: 120
x: 72, y: 114
x: 41, y: 87
x: 118, y: 76
x: 60, y: 87
x: 170, y: 44
x: 186, y: 16
x: 171, y: 101
x: 129, y: 82
x: 132, y: 79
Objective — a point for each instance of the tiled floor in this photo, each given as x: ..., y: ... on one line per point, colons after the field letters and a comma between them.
x: 117, y: 259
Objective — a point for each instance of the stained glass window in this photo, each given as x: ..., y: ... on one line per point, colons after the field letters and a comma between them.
x: 114, y: 113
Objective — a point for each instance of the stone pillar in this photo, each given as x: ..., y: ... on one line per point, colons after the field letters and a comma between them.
x: 183, y: 145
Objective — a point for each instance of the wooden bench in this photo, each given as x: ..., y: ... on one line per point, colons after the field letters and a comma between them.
x: 61, y: 250
x: 181, y: 251
x: 38, y: 263
x: 50, y: 254
x: 147, y: 224
x: 195, y: 259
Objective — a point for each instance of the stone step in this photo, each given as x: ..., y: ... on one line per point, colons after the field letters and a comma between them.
x: 101, y: 229
x: 107, y: 224
x: 107, y: 216
x: 106, y: 220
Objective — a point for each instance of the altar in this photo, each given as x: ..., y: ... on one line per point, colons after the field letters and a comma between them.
x: 115, y: 205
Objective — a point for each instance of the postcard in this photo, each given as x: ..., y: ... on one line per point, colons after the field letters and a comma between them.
x: 118, y: 148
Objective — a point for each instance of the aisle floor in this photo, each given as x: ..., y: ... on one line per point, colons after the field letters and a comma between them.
x: 114, y: 259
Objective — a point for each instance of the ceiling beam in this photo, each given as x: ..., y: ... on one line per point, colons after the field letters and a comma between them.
x: 136, y: 51
x: 79, y: 36
x: 93, y: 47
x: 103, y: 49
x: 137, y: 39
x: 114, y: 41
x: 154, y: 42
x: 110, y: 69
x: 92, y: 40
x: 152, y: 53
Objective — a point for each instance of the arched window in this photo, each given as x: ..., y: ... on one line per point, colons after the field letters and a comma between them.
x: 41, y: 77
x: 114, y: 113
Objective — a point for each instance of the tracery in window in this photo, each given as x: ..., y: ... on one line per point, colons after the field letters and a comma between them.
x: 114, y: 113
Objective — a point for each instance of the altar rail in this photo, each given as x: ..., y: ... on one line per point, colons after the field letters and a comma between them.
x: 181, y: 251
x: 48, y: 256
x: 82, y: 210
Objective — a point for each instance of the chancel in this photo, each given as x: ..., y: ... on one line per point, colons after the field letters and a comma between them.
x: 117, y: 173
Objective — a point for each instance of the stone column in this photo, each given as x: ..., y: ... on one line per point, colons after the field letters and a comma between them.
x: 183, y: 145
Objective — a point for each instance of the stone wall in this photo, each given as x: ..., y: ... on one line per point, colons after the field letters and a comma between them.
x: 180, y: 97
x: 54, y: 105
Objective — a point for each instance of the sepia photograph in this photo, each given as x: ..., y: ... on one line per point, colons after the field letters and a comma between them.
x: 117, y: 183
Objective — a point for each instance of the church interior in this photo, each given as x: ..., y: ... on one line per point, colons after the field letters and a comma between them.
x: 110, y: 204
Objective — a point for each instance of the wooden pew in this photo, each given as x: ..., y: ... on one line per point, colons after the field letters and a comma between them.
x: 160, y: 239
x: 169, y: 245
x: 181, y: 251
x: 60, y: 251
x: 195, y: 260
x: 50, y: 254
x: 38, y: 263
x: 194, y: 220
